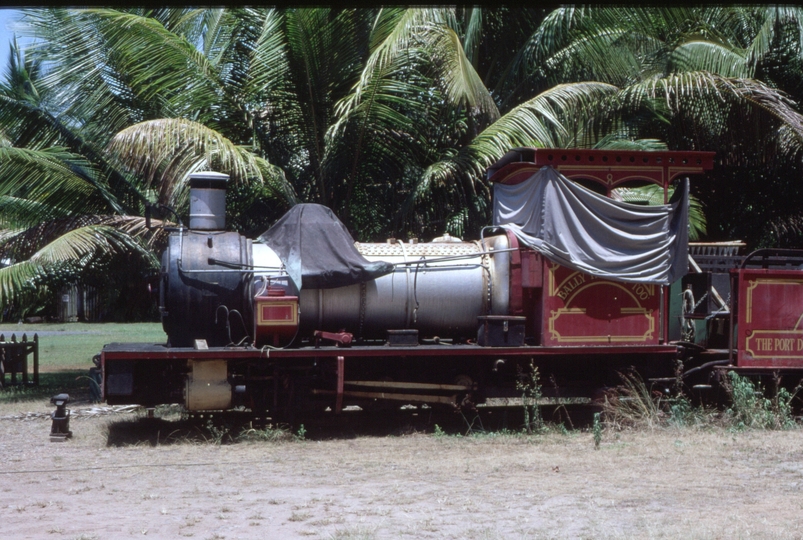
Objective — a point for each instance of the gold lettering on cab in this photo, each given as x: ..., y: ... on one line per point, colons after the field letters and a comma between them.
x: 640, y: 290
x: 571, y: 285
x: 643, y: 291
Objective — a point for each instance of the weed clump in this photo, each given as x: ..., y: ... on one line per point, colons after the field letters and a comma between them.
x: 270, y: 433
x: 527, y: 383
x: 751, y: 409
x: 217, y: 433
x: 597, y: 431
x: 635, y: 405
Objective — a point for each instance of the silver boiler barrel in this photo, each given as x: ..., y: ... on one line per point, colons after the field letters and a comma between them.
x: 437, y: 297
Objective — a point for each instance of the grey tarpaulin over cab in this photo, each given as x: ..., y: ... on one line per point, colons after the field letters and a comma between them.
x: 582, y: 230
x: 317, y: 250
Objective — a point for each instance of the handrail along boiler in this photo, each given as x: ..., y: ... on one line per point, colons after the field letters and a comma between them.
x: 446, y: 322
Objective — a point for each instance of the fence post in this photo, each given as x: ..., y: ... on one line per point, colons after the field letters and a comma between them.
x: 24, y: 355
x: 14, y: 360
x: 36, y: 359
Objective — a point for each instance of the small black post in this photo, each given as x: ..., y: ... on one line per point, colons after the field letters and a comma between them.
x: 60, y: 430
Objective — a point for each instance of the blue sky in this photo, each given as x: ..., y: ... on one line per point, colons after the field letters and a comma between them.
x: 6, y: 17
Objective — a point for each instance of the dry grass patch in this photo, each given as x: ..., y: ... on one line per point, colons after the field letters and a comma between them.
x: 650, y: 478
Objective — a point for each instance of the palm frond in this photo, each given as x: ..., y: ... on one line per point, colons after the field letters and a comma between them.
x: 57, y: 183
x: 325, y: 58
x: 269, y: 66
x: 711, y: 57
x: 276, y: 181
x: 164, y: 152
x: 773, y: 19
x: 77, y: 249
x: 728, y: 102
x: 18, y: 280
x: 613, y: 141
x: 157, y: 61
x: 92, y: 241
x: 20, y: 76
x: 395, y: 34
x: 121, y: 62
x: 135, y: 228
x: 603, y: 44
x: 19, y: 244
x: 473, y: 34
x: 463, y: 84
x: 653, y: 195
x: 539, y: 122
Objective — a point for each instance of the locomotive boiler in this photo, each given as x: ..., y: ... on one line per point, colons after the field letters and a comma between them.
x: 566, y: 280
x: 223, y: 288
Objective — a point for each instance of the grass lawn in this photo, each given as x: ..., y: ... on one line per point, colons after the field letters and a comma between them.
x: 66, y: 351
x: 71, y: 346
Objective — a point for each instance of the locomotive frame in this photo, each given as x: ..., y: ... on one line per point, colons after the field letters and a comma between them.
x: 580, y: 331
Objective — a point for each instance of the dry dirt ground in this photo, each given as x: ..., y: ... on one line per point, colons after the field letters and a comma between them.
x: 648, y: 484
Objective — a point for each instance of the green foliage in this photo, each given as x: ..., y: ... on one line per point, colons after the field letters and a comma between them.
x: 269, y: 433
x: 389, y: 116
x: 634, y: 405
x: 527, y: 383
x: 751, y: 409
x: 218, y: 432
x: 597, y: 430
x: 682, y: 413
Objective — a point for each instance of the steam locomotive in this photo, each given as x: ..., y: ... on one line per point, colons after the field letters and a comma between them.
x: 568, y: 280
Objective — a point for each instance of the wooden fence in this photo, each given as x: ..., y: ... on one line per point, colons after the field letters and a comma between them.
x: 14, y: 359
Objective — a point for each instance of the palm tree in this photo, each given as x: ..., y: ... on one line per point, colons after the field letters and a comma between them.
x: 621, y: 77
x: 388, y: 116
x: 717, y: 78
x: 57, y: 227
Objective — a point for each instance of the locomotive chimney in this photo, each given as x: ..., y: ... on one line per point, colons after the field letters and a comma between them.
x: 208, y: 201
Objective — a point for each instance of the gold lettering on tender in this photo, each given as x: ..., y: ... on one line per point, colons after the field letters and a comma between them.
x: 783, y: 344
x: 575, y: 282
x: 764, y: 344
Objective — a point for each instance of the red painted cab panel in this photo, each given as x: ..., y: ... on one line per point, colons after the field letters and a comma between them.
x: 579, y: 308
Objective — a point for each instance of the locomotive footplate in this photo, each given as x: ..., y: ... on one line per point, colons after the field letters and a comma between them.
x: 790, y: 374
x: 331, y: 376
x: 156, y: 352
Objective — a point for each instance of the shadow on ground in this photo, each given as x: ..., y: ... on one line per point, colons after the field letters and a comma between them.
x: 74, y: 382
x: 235, y: 428
x: 158, y: 431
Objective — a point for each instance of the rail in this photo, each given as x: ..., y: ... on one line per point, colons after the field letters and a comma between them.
x: 14, y: 359
x: 775, y: 258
